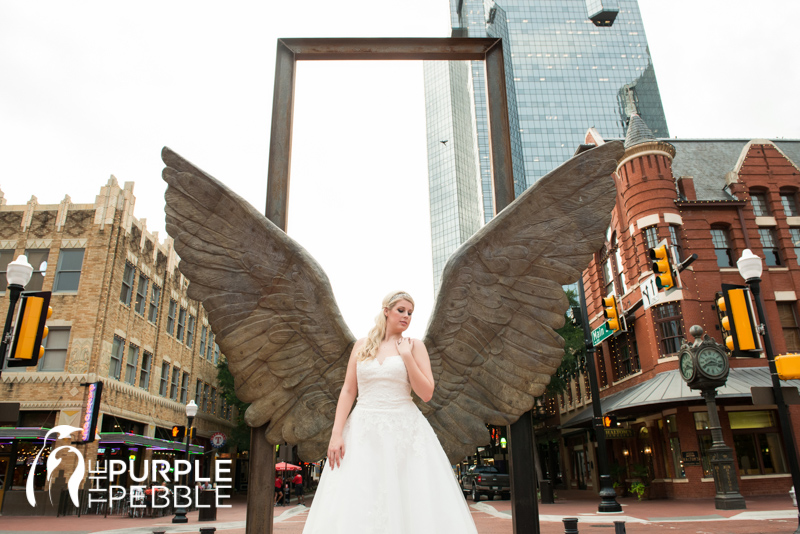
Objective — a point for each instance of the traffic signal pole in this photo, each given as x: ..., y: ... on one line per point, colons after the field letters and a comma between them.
x: 14, y: 291
x: 608, y: 496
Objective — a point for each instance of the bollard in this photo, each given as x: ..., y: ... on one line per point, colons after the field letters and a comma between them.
x: 570, y: 525
x: 619, y: 527
x: 159, y: 531
x: 207, y: 530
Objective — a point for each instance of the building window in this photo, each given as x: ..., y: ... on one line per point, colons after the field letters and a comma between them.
x: 55, y: 350
x: 68, y: 272
x: 794, y: 233
x: 216, y: 354
x: 6, y: 257
x: 626, y: 352
x: 769, y: 245
x: 758, y: 445
x: 210, y: 347
x: 620, y: 272
x: 132, y: 364
x: 155, y: 297
x: 171, y: 317
x: 789, y: 204
x: 791, y: 332
x: 184, y: 387
x: 608, y: 280
x: 181, y: 323
x: 722, y: 248
x: 203, y: 341
x: 115, y: 365
x: 198, y: 394
x: 670, y: 327
x: 38, y: 259
x: 127, y: 285
x: 651, y: 237
x: 190, y: 332
x: 212, y: 407
x: 759, y: 203
x: 141, y: 295
x: 144, y: 374
x: 162, y: 386
x: 676, y: 243
x: 206, y: 397
x: 173, y: 387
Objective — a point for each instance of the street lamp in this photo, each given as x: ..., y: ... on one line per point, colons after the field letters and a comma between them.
x: 18, y: 274
x: 191, y: 411
x: 750, y: 268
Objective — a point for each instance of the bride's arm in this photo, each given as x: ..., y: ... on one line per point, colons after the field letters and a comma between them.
x: 418, y: 365
x: 346, y: 398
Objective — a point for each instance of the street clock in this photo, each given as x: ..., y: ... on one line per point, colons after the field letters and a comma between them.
x: 704, y: 363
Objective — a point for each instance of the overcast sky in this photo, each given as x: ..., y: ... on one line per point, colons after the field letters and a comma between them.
x: 90, y: 89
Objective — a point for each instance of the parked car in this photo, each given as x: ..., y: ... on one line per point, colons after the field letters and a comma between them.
x: 486, y: 480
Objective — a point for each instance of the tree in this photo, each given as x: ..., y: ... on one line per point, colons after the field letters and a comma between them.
x: 240, y: 435
x: 574, y: 353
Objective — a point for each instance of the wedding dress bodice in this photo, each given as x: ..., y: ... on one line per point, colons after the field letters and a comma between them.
x: 383, y: 385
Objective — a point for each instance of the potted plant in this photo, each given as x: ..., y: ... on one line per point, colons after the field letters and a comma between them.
x: 619, y: 487
x: 640, y: 490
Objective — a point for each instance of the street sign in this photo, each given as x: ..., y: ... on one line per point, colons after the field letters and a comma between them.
x: 650, y: 293
x: 601, y: 333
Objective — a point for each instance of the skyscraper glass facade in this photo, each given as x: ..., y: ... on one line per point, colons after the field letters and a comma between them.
x: 565, y: 73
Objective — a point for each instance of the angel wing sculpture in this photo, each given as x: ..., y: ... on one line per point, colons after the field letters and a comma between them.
x: 491, y: 337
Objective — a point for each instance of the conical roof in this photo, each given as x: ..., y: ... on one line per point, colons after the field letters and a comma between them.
x: 638, y: 132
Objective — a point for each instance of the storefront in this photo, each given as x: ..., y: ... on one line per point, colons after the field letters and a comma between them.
x: 20, y: 447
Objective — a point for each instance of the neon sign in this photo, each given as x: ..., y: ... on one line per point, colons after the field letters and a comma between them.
x: 91, y: 411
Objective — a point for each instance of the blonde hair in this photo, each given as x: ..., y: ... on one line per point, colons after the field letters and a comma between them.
x: 377, y: 333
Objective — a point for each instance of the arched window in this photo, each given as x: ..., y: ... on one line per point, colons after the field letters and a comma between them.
x: 722, y: 246
x: 758, y: 199
x: 789, y: 202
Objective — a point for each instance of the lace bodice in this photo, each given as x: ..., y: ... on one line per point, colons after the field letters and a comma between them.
x: 383, y: 385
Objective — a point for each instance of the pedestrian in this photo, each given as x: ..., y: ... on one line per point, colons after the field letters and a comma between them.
x: 287, y: 495
x: 278, y: 488
x: 298, y: 488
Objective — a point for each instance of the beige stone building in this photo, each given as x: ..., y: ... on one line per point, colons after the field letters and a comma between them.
x: 120, y: 316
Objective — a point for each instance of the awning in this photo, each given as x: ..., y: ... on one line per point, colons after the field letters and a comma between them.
x: 669, y: 388
x: 106, y: 439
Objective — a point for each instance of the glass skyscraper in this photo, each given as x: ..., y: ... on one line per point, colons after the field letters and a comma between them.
x: 570, y: 65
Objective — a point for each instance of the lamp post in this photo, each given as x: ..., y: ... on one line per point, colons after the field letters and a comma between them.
x: 191, y: 411
x: 18, y: 274
x: 750, y: 268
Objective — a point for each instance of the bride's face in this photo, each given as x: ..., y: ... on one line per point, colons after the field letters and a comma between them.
x: 398, y: 317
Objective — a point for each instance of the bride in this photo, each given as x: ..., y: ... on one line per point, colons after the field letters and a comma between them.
x: 386, y: 471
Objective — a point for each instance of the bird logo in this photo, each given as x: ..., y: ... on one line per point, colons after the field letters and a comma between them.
x: 62, y: 431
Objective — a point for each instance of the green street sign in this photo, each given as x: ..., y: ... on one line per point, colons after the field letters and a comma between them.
x: 601, y: 333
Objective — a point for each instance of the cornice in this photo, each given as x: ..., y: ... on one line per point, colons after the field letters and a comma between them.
x: 651, y: 147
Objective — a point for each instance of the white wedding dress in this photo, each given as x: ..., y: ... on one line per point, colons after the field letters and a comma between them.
x: 395, y: 477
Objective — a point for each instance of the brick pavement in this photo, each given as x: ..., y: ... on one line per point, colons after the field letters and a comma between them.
x: 765, y: 514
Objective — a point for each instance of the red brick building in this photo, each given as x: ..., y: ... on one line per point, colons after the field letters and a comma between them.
x: 713, y: 198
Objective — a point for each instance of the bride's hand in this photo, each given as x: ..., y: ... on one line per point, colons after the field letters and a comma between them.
x: 404, y: 346
x: 335, y: 451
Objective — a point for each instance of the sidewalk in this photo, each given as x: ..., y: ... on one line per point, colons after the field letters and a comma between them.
x: 763, y: 514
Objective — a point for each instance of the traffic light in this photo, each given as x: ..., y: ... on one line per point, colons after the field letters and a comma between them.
x: 609, y: 421
x: 30, y: 329
x: 736, y: 318
x: 788, y: 366
x: 178, y: 432
x: 662, y: 266
x: 611, y: 313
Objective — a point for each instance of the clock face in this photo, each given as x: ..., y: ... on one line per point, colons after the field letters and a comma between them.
x: 687, y: 365
x: 711, y: 362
